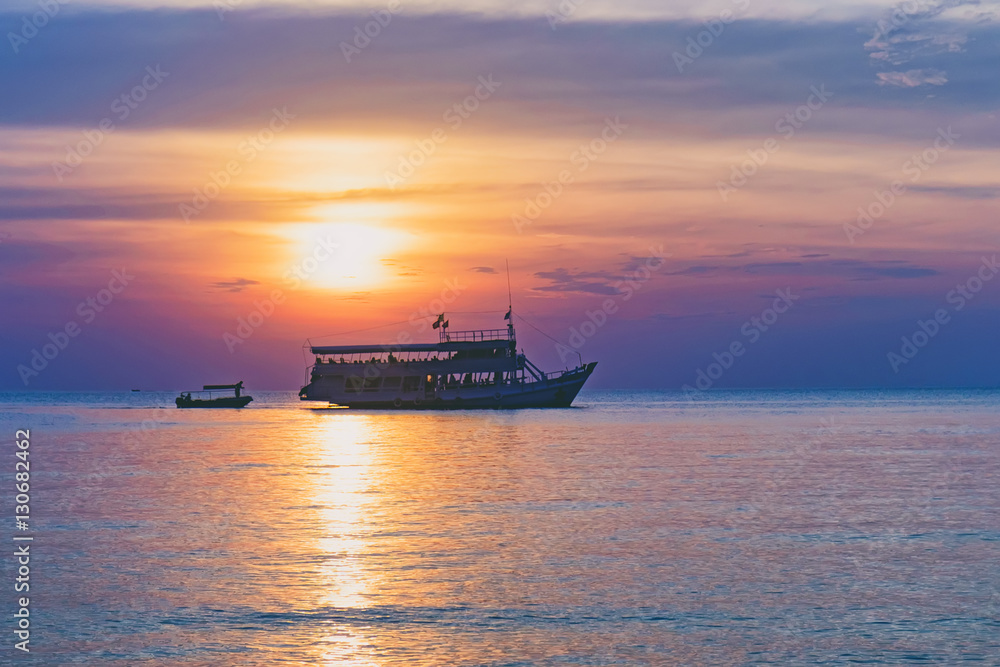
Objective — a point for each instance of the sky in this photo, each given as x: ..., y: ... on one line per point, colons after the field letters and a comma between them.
x: 742, y: 193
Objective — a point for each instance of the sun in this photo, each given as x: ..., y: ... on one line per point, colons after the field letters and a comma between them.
x: 343, y: 255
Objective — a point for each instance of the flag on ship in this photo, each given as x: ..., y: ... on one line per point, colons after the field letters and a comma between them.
x: 439, y: 321
x: 507, y: 316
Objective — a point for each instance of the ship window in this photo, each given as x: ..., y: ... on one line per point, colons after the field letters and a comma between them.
x: 353, y: 384
x: 373, y: 384
x: 411, y: 383
x: 392, y: 383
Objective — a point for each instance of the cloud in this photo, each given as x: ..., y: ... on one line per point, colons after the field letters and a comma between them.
x: 483, y: 269
x: 850, y: 269
x: 588, y: 282
x: 906, y: 30
x: 914, y: 31
x: 960, y: 191
x: 775, y: 268
x: 913, y: 78
x: 601, y: 282
x: 237, y: 285
x: 696, y: 270
x: 897, y: 271
x: 596, y: 282
x: 670, y: 317
x: 536, y: 11
x: 18, y: 255
x: 586, y: 69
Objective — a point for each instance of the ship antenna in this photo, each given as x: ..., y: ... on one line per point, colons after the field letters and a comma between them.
x: 510, y: 301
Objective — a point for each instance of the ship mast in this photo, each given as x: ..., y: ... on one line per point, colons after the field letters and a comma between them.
x: 510, y: 304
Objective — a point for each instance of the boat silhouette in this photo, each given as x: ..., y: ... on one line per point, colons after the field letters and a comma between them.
x: 206, y: 399
x: 463, y: 370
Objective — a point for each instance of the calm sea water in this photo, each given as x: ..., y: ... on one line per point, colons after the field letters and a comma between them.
x: 634, y: 529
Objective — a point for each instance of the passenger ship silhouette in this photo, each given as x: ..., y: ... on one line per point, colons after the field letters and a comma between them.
x: 464, y: 369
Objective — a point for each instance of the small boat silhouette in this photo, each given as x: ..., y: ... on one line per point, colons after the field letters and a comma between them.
x: 205, y: 398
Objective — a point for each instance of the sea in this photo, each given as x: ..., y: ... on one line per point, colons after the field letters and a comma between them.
x: 636, y: 528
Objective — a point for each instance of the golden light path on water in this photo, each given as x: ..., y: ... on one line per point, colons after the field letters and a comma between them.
x: 346, y: 459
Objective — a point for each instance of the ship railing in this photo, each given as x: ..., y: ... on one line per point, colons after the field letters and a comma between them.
x: 475, y: 336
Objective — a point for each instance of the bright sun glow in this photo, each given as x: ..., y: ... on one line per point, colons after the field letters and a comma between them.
x: 344, y: 255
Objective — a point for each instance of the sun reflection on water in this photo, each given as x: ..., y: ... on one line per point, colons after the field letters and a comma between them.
x: 345, y: 461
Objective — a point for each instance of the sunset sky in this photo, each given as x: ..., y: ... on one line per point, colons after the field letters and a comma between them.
x: 684, y: 164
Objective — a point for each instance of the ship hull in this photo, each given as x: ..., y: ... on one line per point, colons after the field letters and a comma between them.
x: 556, y: 392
